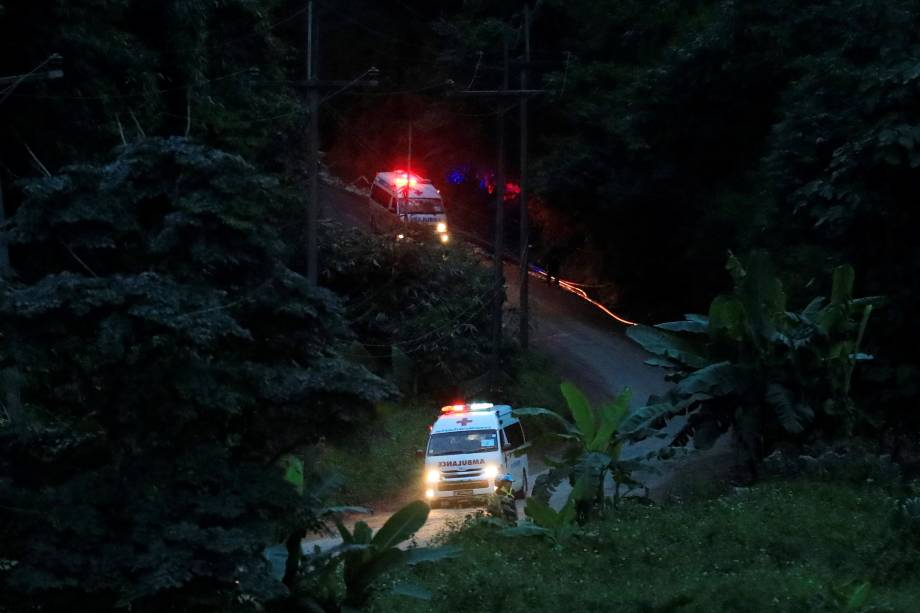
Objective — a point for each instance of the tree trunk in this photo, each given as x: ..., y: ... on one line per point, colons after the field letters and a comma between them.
x: 294, y: 555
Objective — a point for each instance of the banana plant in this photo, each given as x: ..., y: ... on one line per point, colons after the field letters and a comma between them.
x: 545, y: 521
x: 595, y: 438
x: 366, y: 556
x: 758, y: 369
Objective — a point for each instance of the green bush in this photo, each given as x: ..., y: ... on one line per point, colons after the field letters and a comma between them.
x: 765, y: 373
x: 420, y: 309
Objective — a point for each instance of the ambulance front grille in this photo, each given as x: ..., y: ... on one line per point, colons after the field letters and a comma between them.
x: 464, y: 473
x: 449, y: 486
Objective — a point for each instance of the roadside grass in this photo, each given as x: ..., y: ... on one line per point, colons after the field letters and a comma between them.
x: 796, y: 546
x: 377, y: 461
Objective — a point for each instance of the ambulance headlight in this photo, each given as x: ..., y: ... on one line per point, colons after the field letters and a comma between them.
x: 433, y: 476
x: 442, y: 227
x: 490, y: 471
x: 445, y: 238
x: 429, y: 493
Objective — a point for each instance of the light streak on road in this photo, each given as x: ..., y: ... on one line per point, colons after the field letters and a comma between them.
x: 571, y: 287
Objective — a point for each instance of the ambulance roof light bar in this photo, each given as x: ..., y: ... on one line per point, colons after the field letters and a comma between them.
x: 463, y: 408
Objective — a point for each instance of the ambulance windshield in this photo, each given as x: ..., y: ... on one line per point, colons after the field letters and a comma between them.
x: 466, y: 441
x: 424, y: 205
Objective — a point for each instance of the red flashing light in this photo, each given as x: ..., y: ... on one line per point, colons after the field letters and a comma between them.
x: 404, y: 178
x: 466, y: 408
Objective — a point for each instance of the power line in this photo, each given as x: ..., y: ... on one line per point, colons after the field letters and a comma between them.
x: 475, y: 70
x: 15, y: 81
x: 219, y: 45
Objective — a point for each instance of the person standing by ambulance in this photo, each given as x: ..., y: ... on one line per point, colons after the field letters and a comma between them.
x: 502, y: 504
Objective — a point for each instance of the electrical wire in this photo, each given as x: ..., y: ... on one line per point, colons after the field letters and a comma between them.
x: 475, y: 70
x: 9, y: 90
x: 219, y: 45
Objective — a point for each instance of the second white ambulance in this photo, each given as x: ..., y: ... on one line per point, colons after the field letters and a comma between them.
x: 398, y: 198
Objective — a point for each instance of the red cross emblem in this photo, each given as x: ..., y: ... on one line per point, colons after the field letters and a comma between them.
x: 464, y: 421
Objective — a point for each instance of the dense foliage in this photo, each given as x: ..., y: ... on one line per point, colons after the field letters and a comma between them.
x: 418, y: 307
x: 682, y: 129
x: 167, y: 359
x: 217, y: 71
x: 670, y: 132
x: 760, y: 370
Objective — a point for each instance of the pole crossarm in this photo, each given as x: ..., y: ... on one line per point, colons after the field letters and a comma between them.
x: 498, y: 93
x: 317, y: 84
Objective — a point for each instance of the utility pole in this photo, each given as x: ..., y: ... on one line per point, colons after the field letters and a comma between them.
x: 314, y: 85
x: 313, y: 153
x: 499, y: 298
x: 525, y: 227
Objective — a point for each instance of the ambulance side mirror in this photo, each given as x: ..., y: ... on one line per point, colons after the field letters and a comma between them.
x: 420, y: 453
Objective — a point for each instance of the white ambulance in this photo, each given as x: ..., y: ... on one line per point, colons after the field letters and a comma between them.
x: 470, y: 447
x: 399, y: 197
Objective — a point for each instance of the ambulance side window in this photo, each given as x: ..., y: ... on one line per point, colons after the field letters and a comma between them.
x: 514, y: 434
x: 379, y: 195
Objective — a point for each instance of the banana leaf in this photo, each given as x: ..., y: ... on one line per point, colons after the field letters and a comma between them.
x: 581, y: 410
x: 541, y: 513
x: 525, y: 528
x: 401, y: 525
x: 669, y: 345
x: 540, y: 412
x: 431, y: 554
x: 694, y: 326
x: 611, y: 415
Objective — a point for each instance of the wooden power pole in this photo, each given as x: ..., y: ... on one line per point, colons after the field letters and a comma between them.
x: 499, y: 255
x: 525, y: 222
x: 314, y: 86
x: 501, y: 94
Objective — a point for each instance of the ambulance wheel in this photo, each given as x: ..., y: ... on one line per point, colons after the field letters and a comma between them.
x: 521, y: 494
